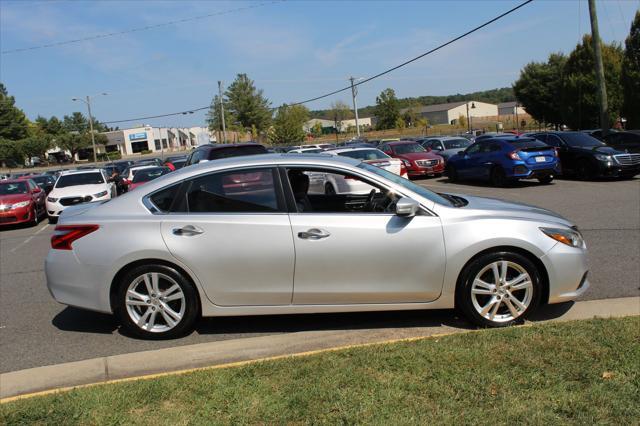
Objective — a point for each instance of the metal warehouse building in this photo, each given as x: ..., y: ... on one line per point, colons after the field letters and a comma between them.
x: 449, y: 113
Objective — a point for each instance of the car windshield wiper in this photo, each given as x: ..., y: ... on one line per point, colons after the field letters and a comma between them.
x: 456, y: 201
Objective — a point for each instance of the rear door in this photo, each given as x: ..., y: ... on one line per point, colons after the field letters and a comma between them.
x: 232, y: 230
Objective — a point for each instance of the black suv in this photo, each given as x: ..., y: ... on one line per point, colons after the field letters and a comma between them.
x: 215, y: 152
x: 585, y: 157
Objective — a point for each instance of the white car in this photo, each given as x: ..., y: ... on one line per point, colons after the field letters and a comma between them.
x: 130, y: 172
x: 76, y: 187
x: 318, y: 145
x: 306, y: 151
x: 330, y: 184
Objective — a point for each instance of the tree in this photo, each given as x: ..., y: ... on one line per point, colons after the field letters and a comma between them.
x: 288, y: 124
x: 411, y: 114
x: 52, y: 126
x: 422, y: 123
x: 214, y: 117
x: 387, y: 110
x: 339, y: 112
x: 247, y: 105
x: 13, y: 122
x: 77, y: 122
x: 74, y: 142
x: 36, y: 145
x: 316, y: 130
x: 10, y: 153
x: 462, y: 121
x: 400, y: 124
x: 631, y: 76
x: 580, y: 99
x: 540, y: 87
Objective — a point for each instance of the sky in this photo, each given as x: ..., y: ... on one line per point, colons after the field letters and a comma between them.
x: 293, y: 50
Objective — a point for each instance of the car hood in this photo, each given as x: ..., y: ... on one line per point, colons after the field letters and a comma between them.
x: 14, y: 198
x: 72, y: 191
x: 509, y: 209
x: 418, y: 156
x: 606, y: 150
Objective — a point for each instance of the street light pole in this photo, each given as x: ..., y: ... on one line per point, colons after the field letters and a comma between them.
x: 224, y: 129
x: 602, y: 89
x: 354, y: 93
x: 468, y: 120
x: 87, y: 101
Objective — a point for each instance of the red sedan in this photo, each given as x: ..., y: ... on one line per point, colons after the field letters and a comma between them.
x: 417, y: 160
x: 21, y: 201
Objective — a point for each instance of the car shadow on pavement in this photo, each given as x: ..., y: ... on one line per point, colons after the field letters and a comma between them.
x: 518, y: 184
x: 80, y: 320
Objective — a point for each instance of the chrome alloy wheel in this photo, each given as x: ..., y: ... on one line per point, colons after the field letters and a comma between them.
x: 155, y: 302
x: 502, y: 291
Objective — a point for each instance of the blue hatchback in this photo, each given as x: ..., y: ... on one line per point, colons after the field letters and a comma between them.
x: 502, y: 160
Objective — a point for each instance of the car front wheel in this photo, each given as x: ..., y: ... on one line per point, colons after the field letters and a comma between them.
x: 499, y: 289
x: 156, y: 302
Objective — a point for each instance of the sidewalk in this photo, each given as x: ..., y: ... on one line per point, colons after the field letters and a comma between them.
x: 233, y: 352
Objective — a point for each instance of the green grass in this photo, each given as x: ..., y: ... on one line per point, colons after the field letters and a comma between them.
x: 581, y: 372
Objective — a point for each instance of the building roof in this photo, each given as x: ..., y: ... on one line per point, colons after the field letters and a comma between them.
x: 441, y: 107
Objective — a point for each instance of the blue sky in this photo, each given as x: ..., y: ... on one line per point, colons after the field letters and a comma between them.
x: 293, y: 50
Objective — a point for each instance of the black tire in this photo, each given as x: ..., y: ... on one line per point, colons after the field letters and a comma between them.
x: 35, y: 220
x: 585, y: 170
x: 464, y: 298
x: 329, y: 189
x: 545, y: 180
x: 452, y: 173
x: 498, y: 177
x: 191, y: 303
x: 53, y: 220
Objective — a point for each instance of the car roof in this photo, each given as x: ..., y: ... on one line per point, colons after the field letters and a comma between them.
x: 355, y: 148
x: 80, y: 171
x: 402, y: 142
x: 228, y: 145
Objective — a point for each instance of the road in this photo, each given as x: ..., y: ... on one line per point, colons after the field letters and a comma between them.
x: 36, y: 331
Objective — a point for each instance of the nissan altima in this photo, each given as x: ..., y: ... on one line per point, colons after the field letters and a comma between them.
x: 245, y: 236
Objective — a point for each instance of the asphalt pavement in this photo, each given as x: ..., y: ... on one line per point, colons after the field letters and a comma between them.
x: 37, y: 331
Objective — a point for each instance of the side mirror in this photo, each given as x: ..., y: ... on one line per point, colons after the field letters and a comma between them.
x: 406, y: 207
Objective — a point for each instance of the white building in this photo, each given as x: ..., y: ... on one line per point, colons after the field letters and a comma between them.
x: 364, y: 122
x: 510, y: 108
x: 451, y: 112
x: 156, y: 139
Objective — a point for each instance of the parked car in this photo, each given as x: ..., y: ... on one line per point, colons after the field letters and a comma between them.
x: 318, y: 145
x: 177, y: 164
x: 44, y: 182
x: 372, y: 156
x: 417, y: 160
x: 149, y: 162
x: 628, y: 141
x: 21, y: 201
x: 502, y: 160
x: 121, y: 165
x: 211, y: 152
x: 495, y: 261
x: 597, y: 133
x: 76, y: 187
x: 306, y: 151
x: 585, y: 157
x: 147, y: 175
x: 446, y: 146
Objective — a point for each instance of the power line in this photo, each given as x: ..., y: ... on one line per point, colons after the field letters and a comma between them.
x: 145, y: 28
x: 326, y: 95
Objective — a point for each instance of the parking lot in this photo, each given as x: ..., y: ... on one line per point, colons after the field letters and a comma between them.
x: 35, y: 330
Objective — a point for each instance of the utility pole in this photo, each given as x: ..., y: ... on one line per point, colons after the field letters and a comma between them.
x: 224, y: 129
x: 517, y: 122
x: 468, y: 121
x: 602, y: 89
x: 87, y: 101
x: 354, y: 93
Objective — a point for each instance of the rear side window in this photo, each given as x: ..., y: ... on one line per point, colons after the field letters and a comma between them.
x: 238, y: 191
x: 236, y: 151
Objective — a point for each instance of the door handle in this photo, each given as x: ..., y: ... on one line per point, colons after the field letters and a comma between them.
x: 188, y: 231
x: 313, y: 234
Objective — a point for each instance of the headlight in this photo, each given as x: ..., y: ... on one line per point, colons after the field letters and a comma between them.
x: 407, y: 163
x: 20, y: 204
x: 570, y: 237
x: 602, y: 157
x: 51, y: 199
x: 100, y: 194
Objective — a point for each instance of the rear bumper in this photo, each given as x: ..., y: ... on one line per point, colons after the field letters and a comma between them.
x: 527, y: 171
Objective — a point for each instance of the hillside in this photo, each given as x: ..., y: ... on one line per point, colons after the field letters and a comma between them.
x: 493, y: 96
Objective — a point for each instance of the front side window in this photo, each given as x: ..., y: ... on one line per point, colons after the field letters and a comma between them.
x: 581, y: 140
x: 237, y: 191
x: 80, y: 179
x: 474, y: 149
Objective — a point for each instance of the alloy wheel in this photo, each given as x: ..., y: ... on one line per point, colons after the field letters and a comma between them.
x: 155, y: 302
x: 502, y: 291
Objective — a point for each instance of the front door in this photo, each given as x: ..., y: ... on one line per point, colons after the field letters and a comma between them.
x: 233, y: 232
x: 352, y: 249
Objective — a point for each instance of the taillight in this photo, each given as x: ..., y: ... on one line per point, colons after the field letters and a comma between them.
x: 514, y: 155
x: 64, y: 235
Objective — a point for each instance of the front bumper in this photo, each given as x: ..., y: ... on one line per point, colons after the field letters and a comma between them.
x: 15, y: 216
x: 615, y: 170
x: 416, y: 170
x: 567, y: 271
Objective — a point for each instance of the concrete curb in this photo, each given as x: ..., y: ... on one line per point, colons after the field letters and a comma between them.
x: 40, y: 380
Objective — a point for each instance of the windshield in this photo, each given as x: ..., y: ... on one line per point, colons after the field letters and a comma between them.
x: 407, y: 148
x: 406, y: 183
x: 456, y: 143
x: 365, y: 154
x: 13, y: 188
x: 581, y: 140
x: 79, y: 179
x: 146, y: 175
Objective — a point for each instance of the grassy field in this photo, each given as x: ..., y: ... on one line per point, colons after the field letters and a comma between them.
x: 582, y: 372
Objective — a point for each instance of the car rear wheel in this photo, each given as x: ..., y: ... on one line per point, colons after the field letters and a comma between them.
x: 156, y: 302
x: 34, y: 213
x: 545, y: 179
x: 499, y: 289
x: 452, y: 173
x: 498, y: 177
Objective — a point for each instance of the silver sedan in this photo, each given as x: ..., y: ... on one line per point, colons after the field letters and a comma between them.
x: 245, y: 236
